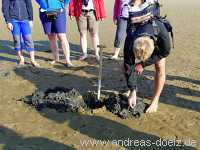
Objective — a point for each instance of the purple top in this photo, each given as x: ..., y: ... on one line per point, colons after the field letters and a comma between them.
x: 117, y: 8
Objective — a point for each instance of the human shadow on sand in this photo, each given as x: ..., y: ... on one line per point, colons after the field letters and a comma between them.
x: 7, y: 51
x: 77, y: 52
x: 170, y: 92
x: 10, y: 140
x: 6, y: 47
x: 103, y: 129
x: 46, y: 78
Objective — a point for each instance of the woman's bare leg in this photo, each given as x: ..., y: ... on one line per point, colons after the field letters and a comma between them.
x: 32, y: 57
x: 21, y: 57
x: 65, y: 46
x: 54, y: 47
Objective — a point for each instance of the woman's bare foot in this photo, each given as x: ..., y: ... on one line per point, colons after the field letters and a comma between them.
x: 114, y: 57
x: 53, y: 62
x: 116, y: 54
x: 153, y: 107
x: 21, y: 62
x: 97, y: 57
x: 69, y: 64
x: 132, y: 99
x: 127, y: 93
x: 35, y: 64
x: 83, y: 57
x: 21, y: 58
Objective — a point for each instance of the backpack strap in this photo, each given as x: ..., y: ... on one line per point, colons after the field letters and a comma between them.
x: 172, y: 36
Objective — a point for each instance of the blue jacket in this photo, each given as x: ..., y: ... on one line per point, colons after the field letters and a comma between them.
x: 52, y: 4
x: 17, y: 9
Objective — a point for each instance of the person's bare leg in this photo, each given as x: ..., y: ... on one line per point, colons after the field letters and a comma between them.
x: 21, y: 57
x: 159, y: 82
x: 116, y: 53
x: 32, y: 57
x: 83, y: 42
x: 54, y: 47
x: 95, y: 42
x: 65, y: 46
x: 132, y: 98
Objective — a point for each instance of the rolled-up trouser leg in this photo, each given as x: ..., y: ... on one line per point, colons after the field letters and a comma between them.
x: 28, y: 42
x: 120, y: 32
x: 17, y: 42
x: 16, y: 32
x: 26, y: 34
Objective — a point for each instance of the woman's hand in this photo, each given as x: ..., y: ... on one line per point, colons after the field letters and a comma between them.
x: 10, y: 26
x: 139, y: 69
x: 115, y: 21
x: 132, y: 99
x: 31, y: 24
x: 71, y: 17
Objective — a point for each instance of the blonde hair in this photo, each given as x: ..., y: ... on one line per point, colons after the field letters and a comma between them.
x: 143, y: 48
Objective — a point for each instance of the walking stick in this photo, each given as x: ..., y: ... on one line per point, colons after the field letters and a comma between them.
x: 101, y: 47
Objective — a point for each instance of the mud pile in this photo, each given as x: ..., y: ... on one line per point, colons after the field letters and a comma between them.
x: 65, y: 100
x: 59, y: 98
x: 91, y: 101
x: 118, y: 104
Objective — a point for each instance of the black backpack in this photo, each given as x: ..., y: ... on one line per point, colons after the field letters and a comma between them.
x: 168, y: 26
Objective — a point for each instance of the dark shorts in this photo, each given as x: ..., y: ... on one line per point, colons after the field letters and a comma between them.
x: 56, y: 26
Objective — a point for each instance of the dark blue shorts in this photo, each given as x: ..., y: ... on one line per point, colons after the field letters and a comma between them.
x: 56, y: 26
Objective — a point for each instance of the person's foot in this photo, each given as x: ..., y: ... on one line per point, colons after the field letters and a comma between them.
x: 83, y: 57
x: 35, y: 64
x: 127, y: 93
x: 21, y: 62
x: 153, y: 107
x: 53, y: 62
x: 97, y: 57
x: 132, y: 99
x: 69, y: 64
x: 114, y: 57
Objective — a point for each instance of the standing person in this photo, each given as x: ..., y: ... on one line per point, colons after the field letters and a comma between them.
x: 53, y: 19
x: 147, y: 43
x: 88, y: 13
x: 19, y: 16
x: 121, y: 22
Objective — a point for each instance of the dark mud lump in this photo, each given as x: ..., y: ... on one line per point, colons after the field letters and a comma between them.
x: 59, y: 98
x: 118, y: 104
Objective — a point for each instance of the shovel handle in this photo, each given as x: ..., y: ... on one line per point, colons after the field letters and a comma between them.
x: 101, y: 47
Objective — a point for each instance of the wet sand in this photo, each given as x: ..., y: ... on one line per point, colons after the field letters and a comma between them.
x: 24, y: 128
